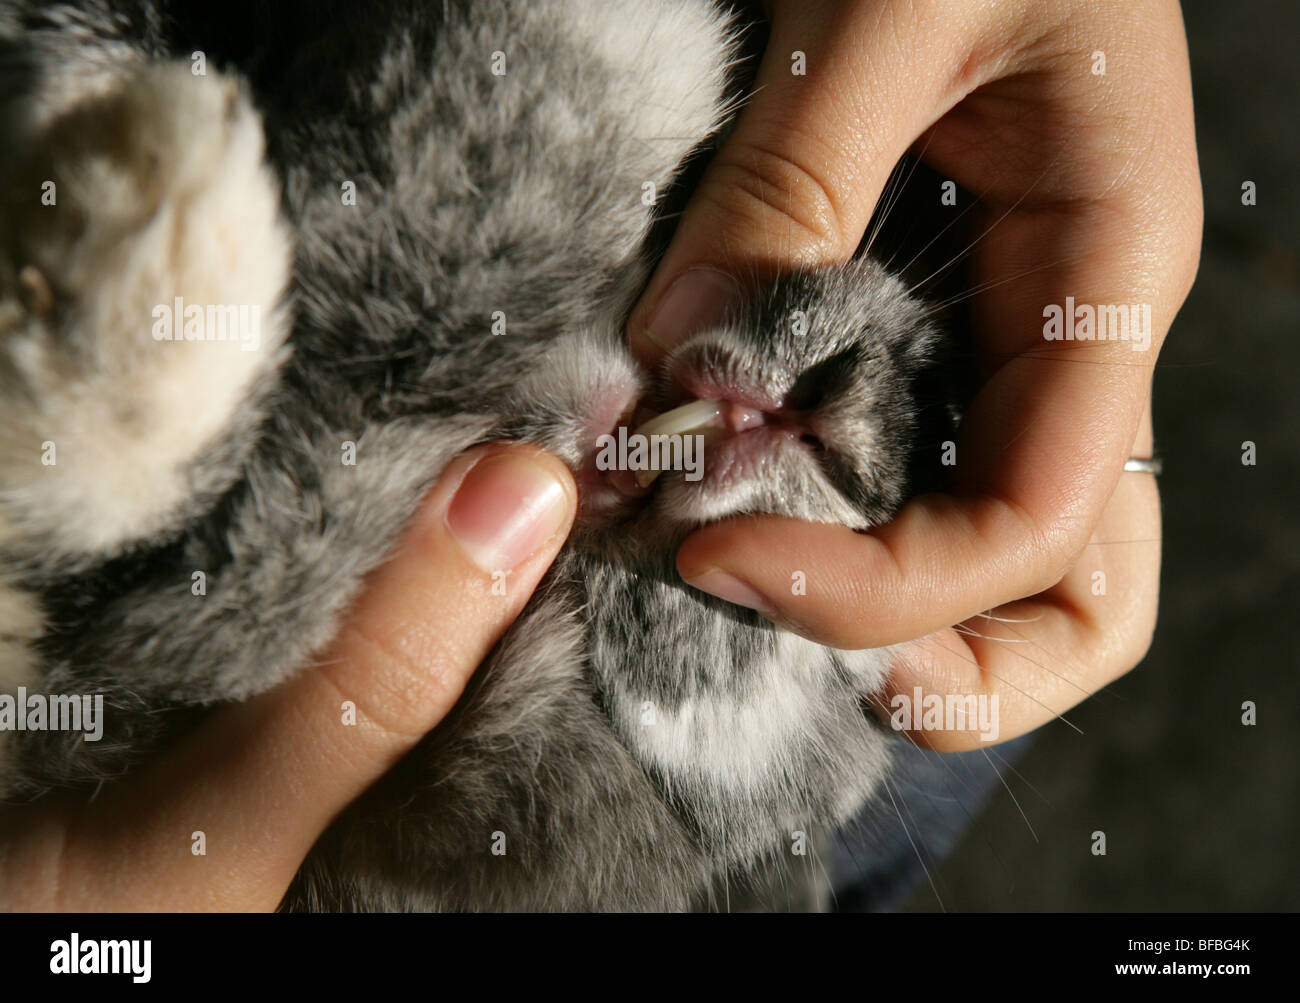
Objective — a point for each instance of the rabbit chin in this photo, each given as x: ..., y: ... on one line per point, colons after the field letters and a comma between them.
x: 706, y: 460
x: 736, y: 463
x: 768, y: 470
x: 713, y: 458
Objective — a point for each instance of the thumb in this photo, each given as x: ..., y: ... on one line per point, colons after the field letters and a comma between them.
x: 842, y: 91
x: 263, y: 779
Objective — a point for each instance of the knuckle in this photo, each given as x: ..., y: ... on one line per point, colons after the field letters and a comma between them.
x: 1054, y: 545
x: 1057, y: 555
x: 396, y: 692
x: 769, y: 187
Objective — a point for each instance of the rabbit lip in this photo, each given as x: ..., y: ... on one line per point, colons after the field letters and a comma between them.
x: 734, y: 419
x: 723, y: 430
x: 731, y: 427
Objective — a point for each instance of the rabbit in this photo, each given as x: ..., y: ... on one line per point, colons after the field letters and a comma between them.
x: 423, y: 226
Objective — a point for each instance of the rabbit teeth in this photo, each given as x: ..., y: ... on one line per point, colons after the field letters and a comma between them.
x: 711, y: 419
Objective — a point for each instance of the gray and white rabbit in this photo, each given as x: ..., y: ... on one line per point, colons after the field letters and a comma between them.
x: 392, y: 185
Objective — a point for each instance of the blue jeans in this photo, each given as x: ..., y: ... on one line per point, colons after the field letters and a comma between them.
x: 925, y: 806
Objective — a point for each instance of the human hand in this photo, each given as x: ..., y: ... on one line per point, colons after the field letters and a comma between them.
x: 263, y: 779
x: 1089, y: 188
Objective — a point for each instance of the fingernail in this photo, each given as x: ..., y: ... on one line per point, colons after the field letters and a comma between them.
x: 733, y: 590
x: 507, y: 507
x: 695, y: 299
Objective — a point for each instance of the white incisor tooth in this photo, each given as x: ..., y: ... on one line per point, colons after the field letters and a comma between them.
x: 692, y: 417
x: 699, y: 417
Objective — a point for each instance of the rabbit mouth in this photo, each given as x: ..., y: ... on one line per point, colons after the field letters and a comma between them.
x: 718, y: 429
x: 716, y: 441
x: 723, y: 424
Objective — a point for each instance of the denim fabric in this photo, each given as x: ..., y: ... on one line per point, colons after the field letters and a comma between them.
x: 925, y: 807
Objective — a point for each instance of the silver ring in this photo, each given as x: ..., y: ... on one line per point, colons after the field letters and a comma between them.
x: 1138, y: 465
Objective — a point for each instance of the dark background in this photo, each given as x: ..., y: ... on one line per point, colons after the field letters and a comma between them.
x: 1200, y: 812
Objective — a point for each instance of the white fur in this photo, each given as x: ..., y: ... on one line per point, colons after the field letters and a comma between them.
x: 20, y: 625
x: 667, y: 112
x: 738, y: 742
x: 129, y: 414
x: 633, y: 36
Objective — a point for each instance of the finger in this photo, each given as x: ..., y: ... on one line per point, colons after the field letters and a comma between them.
x: 841, y: 92
x: 999, y: 676
x: 944, y: 558
x: 262, y: 780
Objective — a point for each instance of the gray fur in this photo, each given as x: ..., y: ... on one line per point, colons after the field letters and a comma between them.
x: 476, y: 193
